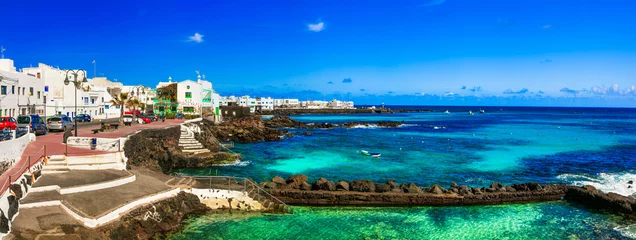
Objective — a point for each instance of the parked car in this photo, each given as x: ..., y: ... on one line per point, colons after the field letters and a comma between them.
x: 152, y: 117
x: 8, y: 123
x: 60, y: 123
x: 143, y: 119
x: 128, y: 119
x: 34, y: 122
x: 83, y: 118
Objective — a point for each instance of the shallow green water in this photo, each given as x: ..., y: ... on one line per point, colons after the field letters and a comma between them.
x: 554, y: 220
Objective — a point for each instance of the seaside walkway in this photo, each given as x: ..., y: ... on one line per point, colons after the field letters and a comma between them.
x: 51, y: 144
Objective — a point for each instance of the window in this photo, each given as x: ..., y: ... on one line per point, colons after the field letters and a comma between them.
x: 44, y: 102
x: 39, y: 95
x: 31, y: 91
x: 12, y: 89
x: 102, y: 99
x: 3, y: 90
x: 188, y: 94
x: 188, y: 109
x: 92, y: 101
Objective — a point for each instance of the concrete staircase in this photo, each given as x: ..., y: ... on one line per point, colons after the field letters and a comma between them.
x: 63, y: 164
x: 189, y: 144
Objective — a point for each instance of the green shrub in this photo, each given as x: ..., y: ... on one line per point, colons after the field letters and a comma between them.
x: 170, y: 115
x: 191, y: 116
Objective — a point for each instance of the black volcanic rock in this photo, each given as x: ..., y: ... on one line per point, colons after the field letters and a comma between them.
x: 362, y: 186
x: 323, y: 184
x: 278, y: 180
x: 342, y: 186
x: 436, y: 189
x: 380, y: 188
x: 296, y: 181
x: 410, y: 188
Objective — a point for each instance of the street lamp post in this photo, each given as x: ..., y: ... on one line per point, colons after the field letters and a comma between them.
x: 77, y: 84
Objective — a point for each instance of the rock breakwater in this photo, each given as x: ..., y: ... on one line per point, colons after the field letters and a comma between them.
x: 323, y: 192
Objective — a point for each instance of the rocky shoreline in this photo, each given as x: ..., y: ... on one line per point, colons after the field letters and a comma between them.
x: 287, y: 122
x: 255, y: 129
x: 158, y: 150
x: 297, y: 191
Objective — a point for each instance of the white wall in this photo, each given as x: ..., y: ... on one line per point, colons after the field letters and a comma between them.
x: 11, y: 150
x: 24, y: 94
x: 195, y: 101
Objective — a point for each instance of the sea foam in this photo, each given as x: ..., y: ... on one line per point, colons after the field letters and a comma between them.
x: 606, y: 182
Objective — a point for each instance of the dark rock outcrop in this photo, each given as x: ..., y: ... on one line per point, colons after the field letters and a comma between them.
x: 324, y: 185
x: 171, y: 212
x: 380, y: 188
x: 17, y: 190
x: 158, y: 150
x: 296, y: 180
x: 13, y: 206
x: 279, y: 180
x: 590, y: 196
x: 4, y: 223
x: 362, y: 186
x: 410, y: 188
x: 436, y: 189
x: 342, y: 186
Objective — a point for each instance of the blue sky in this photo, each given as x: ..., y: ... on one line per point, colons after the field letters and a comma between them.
x: 456, y: 52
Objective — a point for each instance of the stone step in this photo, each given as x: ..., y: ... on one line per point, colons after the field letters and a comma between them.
x: 193, y: 147
x: 188, y: 141
x: 189, y: 144
x: 195, y: 151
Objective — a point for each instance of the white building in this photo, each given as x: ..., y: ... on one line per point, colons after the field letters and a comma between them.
x: 20, y: 93
x: 196, y: 97
x: 314, y: 104
x: 286, y: 103
x: 142, y: 94
x: 340, y: 104
x: 265, y: 103
x: 92, y: 97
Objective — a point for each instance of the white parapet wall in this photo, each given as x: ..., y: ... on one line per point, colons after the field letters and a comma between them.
x: 11, y: 150
x: 86, y: 188
x: 103, y: 144
x: 115, y: 214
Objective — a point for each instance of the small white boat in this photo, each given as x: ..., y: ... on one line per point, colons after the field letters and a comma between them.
x: 365, y: 152
x: 482, y: 111
x: 470, y: 113
x: 447, y: 112
x: 375, y: 155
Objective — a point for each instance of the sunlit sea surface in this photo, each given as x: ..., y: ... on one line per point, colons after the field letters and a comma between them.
x: 508, y: 145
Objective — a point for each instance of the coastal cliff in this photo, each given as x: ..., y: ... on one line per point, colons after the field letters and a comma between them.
x: 158, y: 150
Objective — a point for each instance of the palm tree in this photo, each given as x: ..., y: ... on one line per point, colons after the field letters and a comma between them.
x: 121, y: 101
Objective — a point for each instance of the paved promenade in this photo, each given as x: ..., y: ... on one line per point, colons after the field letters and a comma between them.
x: 54, y: 145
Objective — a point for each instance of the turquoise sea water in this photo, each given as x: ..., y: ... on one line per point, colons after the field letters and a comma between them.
x: 507, y: 145
x: 521, y: 221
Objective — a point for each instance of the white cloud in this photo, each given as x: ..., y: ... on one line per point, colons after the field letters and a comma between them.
x: 547, y: 26
x: 316, y: 27
x: 198, y: 38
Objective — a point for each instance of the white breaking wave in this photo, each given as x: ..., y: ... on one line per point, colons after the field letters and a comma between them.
x: 363, y: 126
x: 408, y: 125
x: 627, y: 231
x: 237, y: 163
x: 606, y: 182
